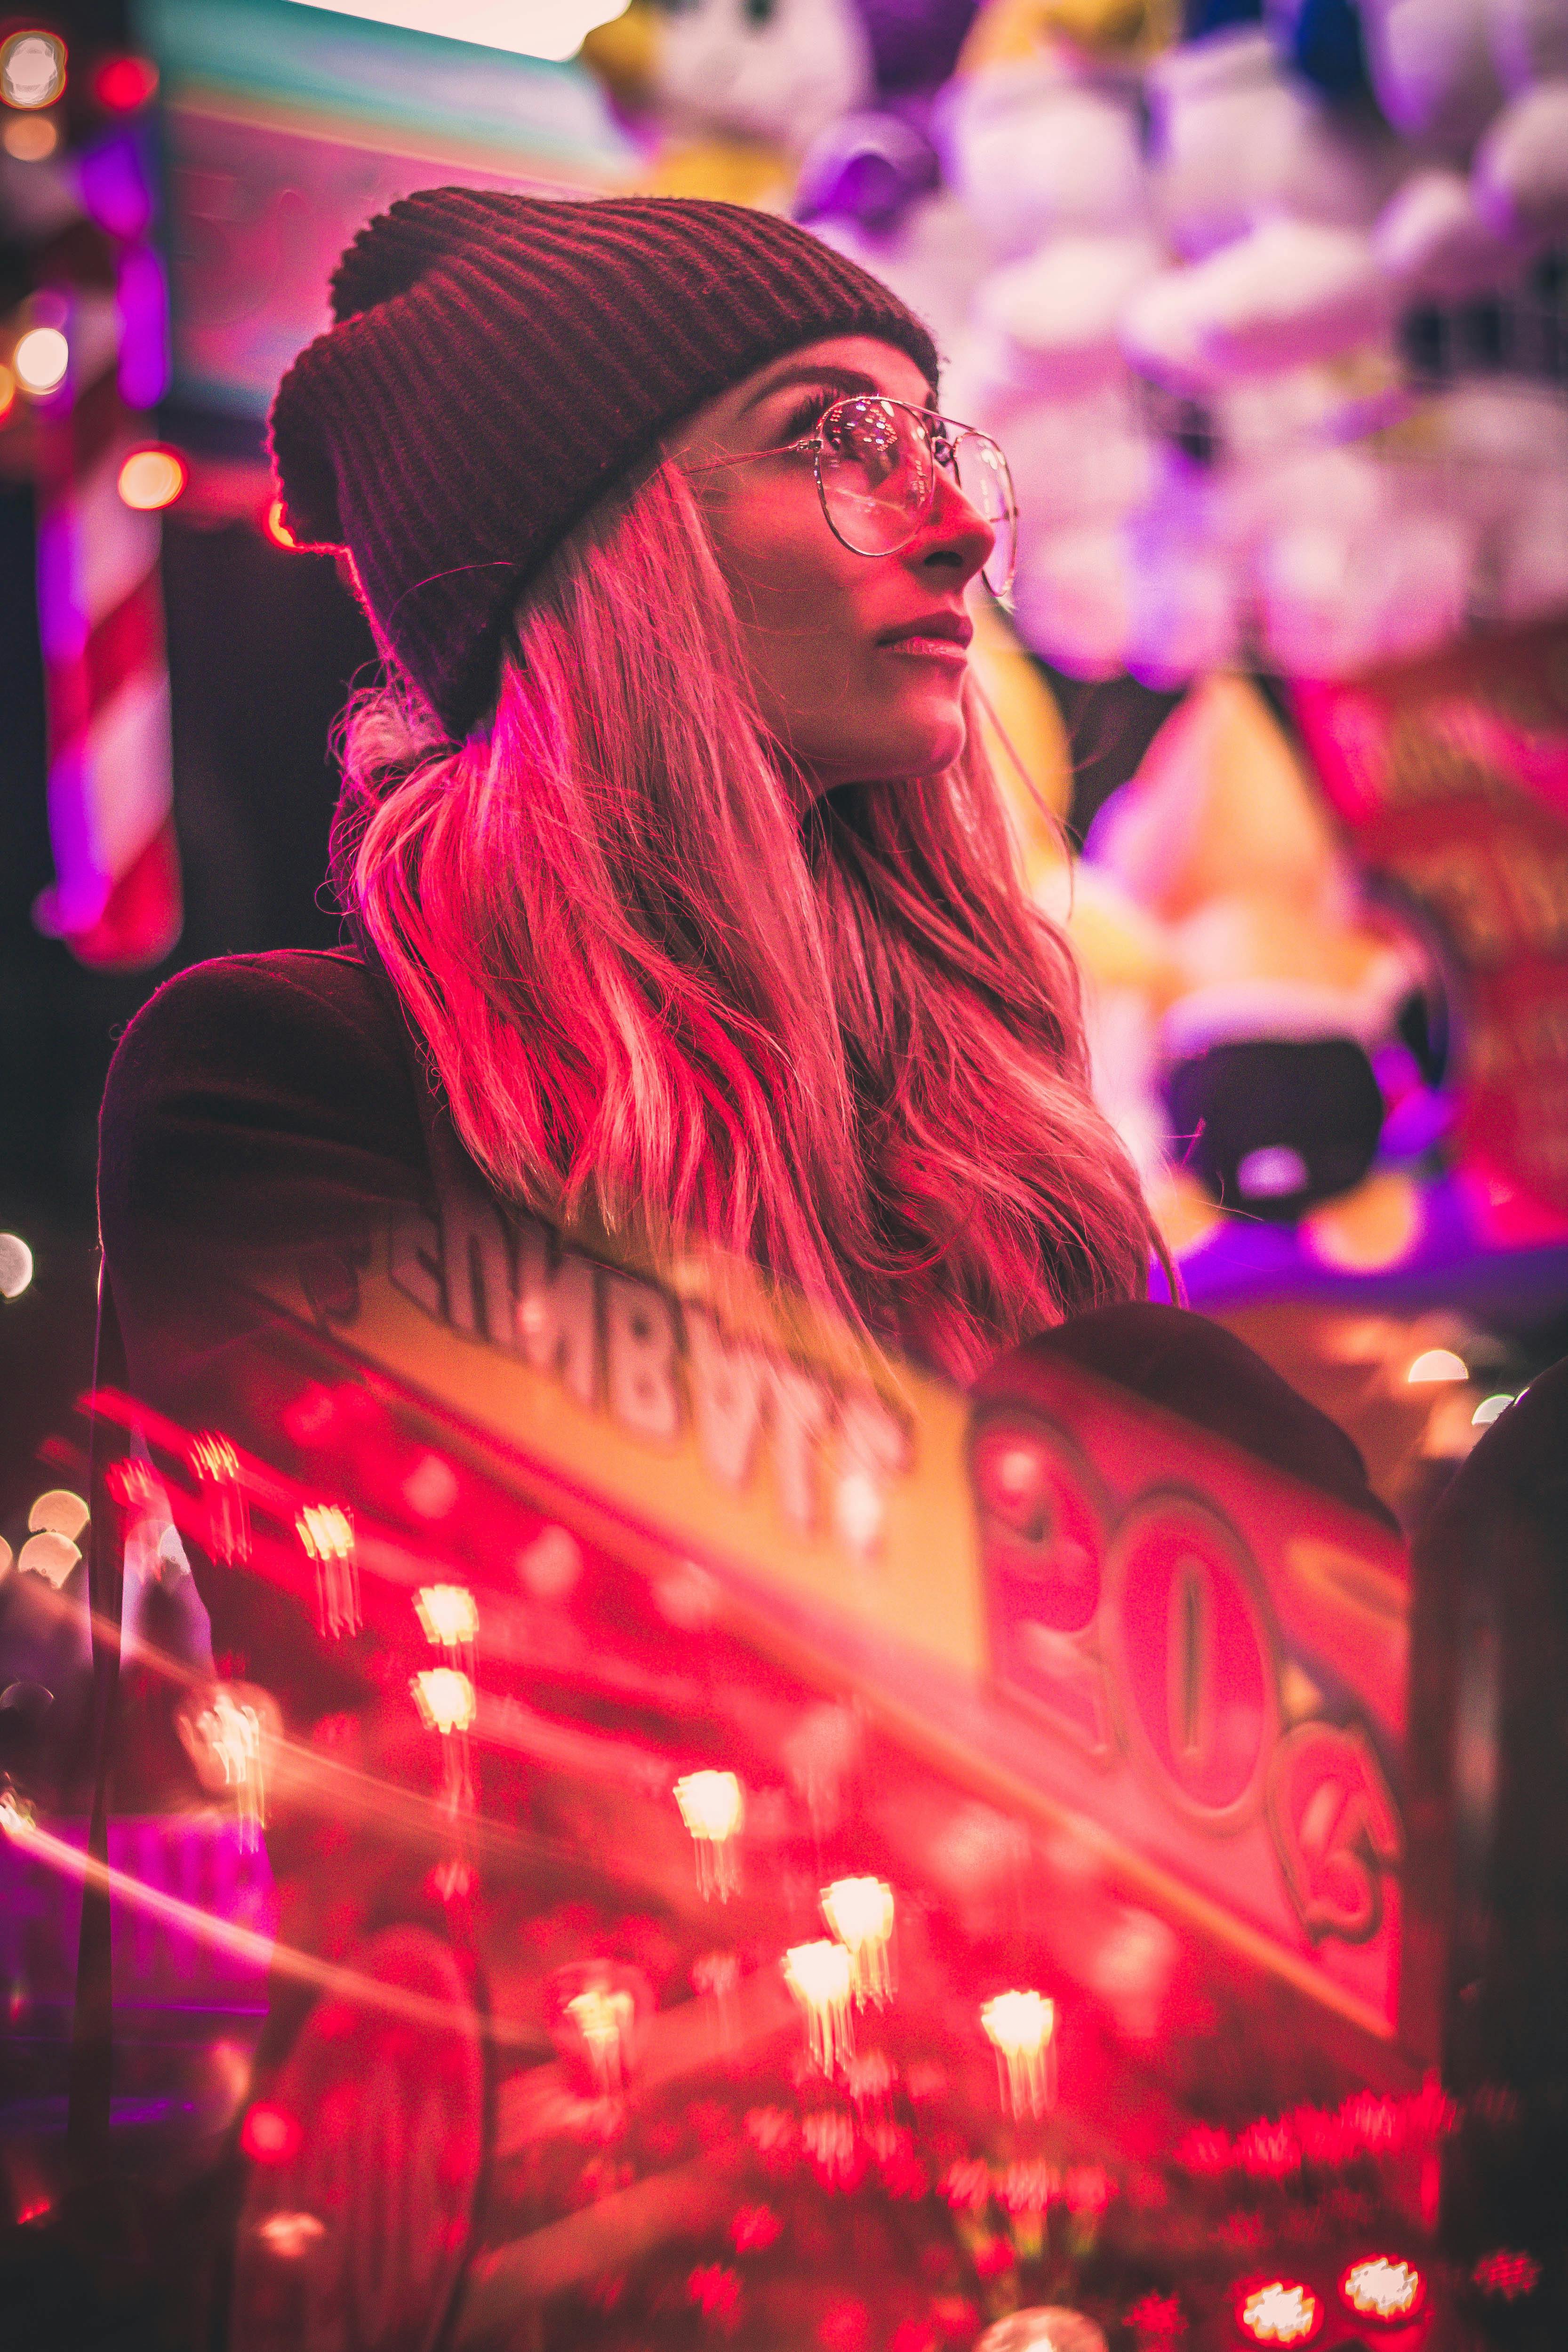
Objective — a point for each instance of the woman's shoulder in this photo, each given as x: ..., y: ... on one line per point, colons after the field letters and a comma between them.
x: 279, y: 1000
x: 1206, y: 1374
x: 284, y: 1075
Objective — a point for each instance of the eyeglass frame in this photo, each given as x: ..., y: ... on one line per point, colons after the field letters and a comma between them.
x: 926, y: 418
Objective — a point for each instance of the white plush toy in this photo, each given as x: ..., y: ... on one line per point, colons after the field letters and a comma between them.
x: 1171, y: 278
x: 779, y: 73
x: 1249, y: 257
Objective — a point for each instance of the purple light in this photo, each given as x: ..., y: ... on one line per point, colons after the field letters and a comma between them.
x: 115, y: 187
x: 142, y: 299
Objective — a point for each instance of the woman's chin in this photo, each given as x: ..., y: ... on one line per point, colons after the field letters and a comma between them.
x: 902, y: 754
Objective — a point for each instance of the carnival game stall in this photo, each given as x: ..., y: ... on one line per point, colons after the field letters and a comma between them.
x: 765, y: 1849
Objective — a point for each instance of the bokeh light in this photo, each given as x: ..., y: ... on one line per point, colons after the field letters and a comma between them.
x: 1490, y: 1409
x: 1021, y: 2027
x: 1383, y: 2286
x: 60, y: 1511
x: 1437, y: 1364
x: 860, y: 1913
x: 444, y: 1698
x: 32, y: 68
x: 123, y: 84
x: 711, y: 1804
x: 48, y: 1555
x: 153, y: 477
x: 30, y: 137
x: 277, y: 530
x: 1279, y: 2312
x: 15, y: 1265
x: 449, y: 1614
x: 40, y: 360
x: 290, y: 2236
x: 270, y: 2135
x: 822, y: 1978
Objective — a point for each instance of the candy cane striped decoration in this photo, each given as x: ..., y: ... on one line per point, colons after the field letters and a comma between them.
x: 116, y: 896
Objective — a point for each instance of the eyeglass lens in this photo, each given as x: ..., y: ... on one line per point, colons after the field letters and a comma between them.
x: 877, y: 473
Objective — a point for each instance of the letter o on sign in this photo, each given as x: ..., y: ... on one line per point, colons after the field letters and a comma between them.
x: 1196, y: 1656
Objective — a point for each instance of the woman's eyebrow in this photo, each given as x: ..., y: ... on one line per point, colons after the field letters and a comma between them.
x: 843, y: 379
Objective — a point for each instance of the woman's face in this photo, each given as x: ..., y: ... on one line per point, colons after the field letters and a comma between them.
x: 858, y: 662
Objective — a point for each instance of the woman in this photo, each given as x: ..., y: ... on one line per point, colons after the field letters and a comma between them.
x: 673, y: 860
x: 675, y: 867
x: 672, y: 829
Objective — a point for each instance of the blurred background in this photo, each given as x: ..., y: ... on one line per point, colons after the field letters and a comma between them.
x: 1267, y: 303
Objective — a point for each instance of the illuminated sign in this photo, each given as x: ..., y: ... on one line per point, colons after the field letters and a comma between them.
x: 1084, y: 1607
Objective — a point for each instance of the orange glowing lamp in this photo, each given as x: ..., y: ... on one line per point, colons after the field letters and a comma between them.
x: 1279, y: 2312
x: 713, y: 1807
x: 860, y: 1913
x: 604, y: 2015
x: 216, y: 1464
x: 1383, y: 2287
x: 326, y: 1533
x: 822, y: 1978
x: 445, y: 1699
x: 449, y: 1614
x: 153, y: 477
x: 1021, y: 2027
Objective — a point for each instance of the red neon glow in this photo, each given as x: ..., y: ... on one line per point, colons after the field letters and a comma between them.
x: 1506, y: 2273
x: 1383, y: 2286
x: 277, y: 530
x: 123, y: 84
x: 270, y: 2135
x: 1282, y: 2311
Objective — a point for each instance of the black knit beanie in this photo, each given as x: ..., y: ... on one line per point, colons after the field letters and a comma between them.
x: 498, y: 360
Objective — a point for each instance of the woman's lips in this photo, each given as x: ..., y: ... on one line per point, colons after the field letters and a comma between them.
x: 935, y: 636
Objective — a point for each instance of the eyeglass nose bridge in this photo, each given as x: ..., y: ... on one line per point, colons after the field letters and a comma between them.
x: 940, y: 454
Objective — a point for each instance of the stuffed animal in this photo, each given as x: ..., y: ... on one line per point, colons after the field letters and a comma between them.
x: 728, y: 94
x: 1278, y: 985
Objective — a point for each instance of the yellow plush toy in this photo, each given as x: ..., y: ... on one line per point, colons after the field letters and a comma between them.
x: 1013, y: 32
x: 1286, y: 982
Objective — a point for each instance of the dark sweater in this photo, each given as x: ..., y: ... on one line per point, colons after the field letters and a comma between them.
x: 261, y: 1105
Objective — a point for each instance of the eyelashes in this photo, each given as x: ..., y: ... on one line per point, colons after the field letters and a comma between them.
x: 809, y: 412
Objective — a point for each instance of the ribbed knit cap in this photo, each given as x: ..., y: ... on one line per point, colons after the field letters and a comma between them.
x: 498, y: 361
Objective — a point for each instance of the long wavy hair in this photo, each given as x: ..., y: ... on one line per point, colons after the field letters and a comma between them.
x: 662, y: 1002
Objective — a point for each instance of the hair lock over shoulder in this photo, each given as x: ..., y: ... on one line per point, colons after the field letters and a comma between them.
x: 848, y: 1048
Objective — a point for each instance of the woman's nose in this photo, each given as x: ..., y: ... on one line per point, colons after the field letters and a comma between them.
x: 956, y: 537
